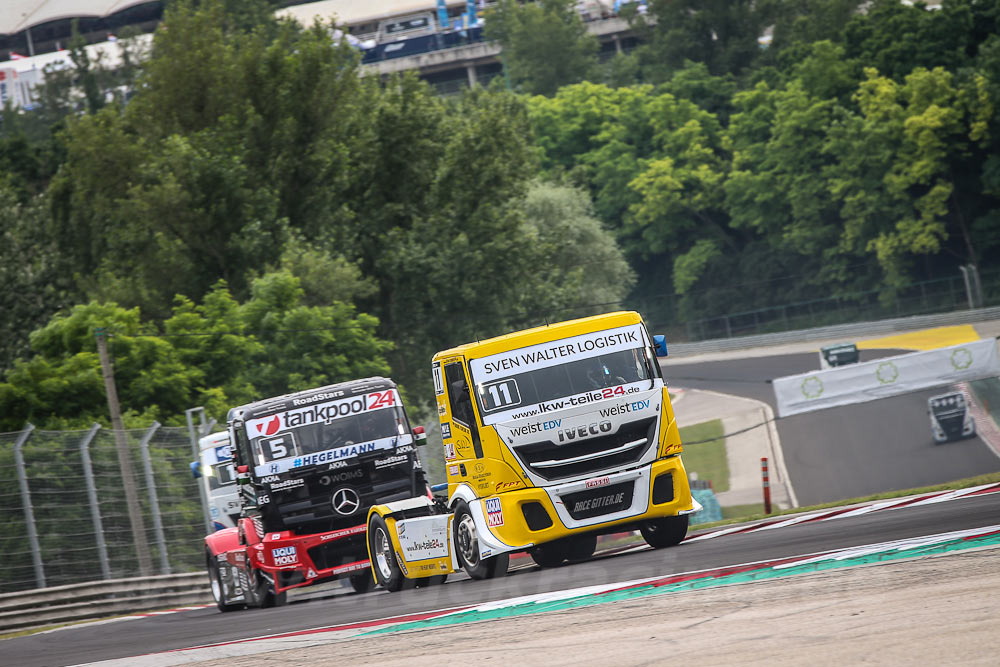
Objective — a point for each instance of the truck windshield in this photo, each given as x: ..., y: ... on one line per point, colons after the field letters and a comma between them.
x: 531, y: 381
x: 346, y: 436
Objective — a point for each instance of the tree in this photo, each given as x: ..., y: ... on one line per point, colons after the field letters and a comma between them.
x: 218, y: 354
x: 545, y: 44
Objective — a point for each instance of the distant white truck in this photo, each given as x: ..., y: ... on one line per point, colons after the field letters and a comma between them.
x: 950, y: 417
x: 218, y: 476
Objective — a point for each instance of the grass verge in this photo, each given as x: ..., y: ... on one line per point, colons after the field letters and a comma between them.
x: 708, y: 459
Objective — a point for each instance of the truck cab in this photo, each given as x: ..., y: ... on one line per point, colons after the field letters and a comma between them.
x: 555, y: 435
x: 950, y: 417
x: 218, y: 476
x: 309, y: 466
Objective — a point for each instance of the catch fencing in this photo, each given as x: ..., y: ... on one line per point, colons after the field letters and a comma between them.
x: 64, y: 517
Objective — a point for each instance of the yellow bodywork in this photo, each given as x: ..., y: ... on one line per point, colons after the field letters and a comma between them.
x: 493, y: 472
x: 412, y: 569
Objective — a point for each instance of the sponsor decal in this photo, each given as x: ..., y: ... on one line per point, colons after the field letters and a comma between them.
x: 479, y: 467
x: 288, y: 484
x: 276, y: 536
x: 401, y: 563
x: 625, y: 408
x: 347, y: 452
x: 269, y: 479
x: 432, y: 543
x: 321, y: 413
x: 536, y: 427
x: 596, y: 482
x: 390, y: 461
x: 445, y: 430
x: 337, y: 465
x: 285, y: 555
x: 560, y: 351
x: 486, y: 553
x: 449, y: 451
x: 442, y: 409
x: 507, y: 486
x: 405, y: 449
x: 584, y: 432
x: 327, y: 480
x: 494, y: 512
x: 317, y: 397
x: 346, y: 532
x: 463, y: 447
x: 482, y: 486
x: 600, y: 501
x: 452, y: 470
x: 311, y: 574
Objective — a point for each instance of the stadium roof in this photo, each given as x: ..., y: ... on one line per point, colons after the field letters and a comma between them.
x: 19, y: 15
x: 352, y: 12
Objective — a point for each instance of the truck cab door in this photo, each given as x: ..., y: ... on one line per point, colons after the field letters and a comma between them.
x: 458, y: 397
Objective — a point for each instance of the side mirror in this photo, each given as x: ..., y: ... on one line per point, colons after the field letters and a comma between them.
x: 660, y: 344
x: 419, y: 435
x: 196, y: 469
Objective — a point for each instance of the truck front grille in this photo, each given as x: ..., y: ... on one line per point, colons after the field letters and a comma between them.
x: 553, y: 461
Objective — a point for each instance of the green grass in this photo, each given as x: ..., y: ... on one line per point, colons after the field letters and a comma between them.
x: 739, y: 511
x: 708, y: 459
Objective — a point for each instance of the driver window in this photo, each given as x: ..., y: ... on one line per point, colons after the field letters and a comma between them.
x: 459, y: 397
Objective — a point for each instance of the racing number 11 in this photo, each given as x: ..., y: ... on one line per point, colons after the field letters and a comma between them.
x: 503, y: 394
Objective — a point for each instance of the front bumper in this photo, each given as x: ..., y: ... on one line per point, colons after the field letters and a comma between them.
x: 520, y: 519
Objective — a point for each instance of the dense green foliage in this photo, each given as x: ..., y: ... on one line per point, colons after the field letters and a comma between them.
x: 360, y: 225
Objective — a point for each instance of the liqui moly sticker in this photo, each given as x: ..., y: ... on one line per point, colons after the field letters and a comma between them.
x: 494, y: 512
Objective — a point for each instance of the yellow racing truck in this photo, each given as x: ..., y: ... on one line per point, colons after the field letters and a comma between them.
x: 552, y: 436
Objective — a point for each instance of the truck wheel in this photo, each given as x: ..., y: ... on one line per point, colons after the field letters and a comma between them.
x: 467, y: 544
x: 215, y: 580
x: 550, y: 554
x: 260, y: 593
x: 363, y: 582
x: 580, y: 547
x: 387, y: 571
x: 665, y: 532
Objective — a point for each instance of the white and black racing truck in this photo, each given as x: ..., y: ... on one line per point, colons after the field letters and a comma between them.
x: 950, y: 416
x: 309, y: 466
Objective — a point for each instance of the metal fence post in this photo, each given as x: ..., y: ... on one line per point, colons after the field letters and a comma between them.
x: 95, y: 510
x: 29, y: 514
x: 197, y: 457
x: 154, y: 503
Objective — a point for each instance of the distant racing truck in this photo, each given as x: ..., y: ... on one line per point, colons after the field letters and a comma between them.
x: 567, y: 432
x: 309, y: 466
x: 218, y: 476
x: 950, y: 417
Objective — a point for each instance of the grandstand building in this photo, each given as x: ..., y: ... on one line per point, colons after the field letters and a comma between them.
x: 439, y: 39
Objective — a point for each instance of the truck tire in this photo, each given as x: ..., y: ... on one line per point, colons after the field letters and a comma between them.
x: 581, y: 547
x: 260, y: 593
x: 550, y: 554
x: 665, y: 532
x: 467, y: 546
x: 384, y: 565
x: 215, y: 580
x: 362, y: 582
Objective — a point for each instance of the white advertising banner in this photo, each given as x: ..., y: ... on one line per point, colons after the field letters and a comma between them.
x: 891, y: 376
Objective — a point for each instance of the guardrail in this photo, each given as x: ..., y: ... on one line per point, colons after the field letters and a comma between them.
x: 838, y: 331
x: 25, y: 610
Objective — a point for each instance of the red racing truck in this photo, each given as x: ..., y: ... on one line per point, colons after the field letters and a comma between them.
x: 309, y: 466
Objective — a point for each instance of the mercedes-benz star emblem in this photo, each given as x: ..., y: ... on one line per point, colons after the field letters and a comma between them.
x: 345, y: 501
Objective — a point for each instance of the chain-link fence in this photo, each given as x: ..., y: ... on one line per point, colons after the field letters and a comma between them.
x: 64, y: 513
